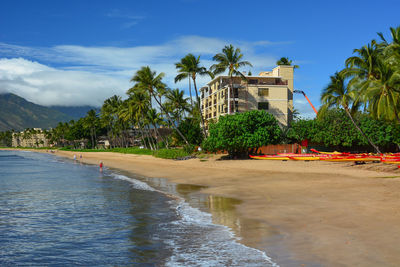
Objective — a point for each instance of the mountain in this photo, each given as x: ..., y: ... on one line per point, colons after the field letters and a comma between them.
x: 74, y: 112
x: 18, y: 114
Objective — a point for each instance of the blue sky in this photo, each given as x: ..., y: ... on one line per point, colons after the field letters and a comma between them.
x: 81, y: 52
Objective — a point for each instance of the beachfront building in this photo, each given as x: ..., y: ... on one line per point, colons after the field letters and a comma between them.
x: 271, y: 91
x: 30, y: 138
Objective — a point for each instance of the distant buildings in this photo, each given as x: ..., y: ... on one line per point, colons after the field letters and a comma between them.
x: 271, y: 91
x: 30, y: 138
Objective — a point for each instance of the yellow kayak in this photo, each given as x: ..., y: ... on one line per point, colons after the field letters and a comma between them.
x: 269, y: 158
x: 304, y: 158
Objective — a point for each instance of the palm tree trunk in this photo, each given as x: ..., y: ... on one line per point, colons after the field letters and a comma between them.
x: 147, y: 133
x: 199, y: 107
x: 142, y: 135
x: 190, y: 91
x: 169, y: 119
x: 158, y: 134
x: 149, y: 138
x: 361, y: 131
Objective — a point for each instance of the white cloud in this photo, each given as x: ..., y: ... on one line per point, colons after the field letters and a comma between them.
x: 87, y: 75
x: 49, y: 86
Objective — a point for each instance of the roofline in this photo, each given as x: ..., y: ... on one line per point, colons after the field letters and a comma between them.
x: 224, y: 76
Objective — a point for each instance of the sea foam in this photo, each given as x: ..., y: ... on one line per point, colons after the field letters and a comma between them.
x: 196, y: 241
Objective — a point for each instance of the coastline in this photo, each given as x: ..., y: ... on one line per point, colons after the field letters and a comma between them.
x: 299, y: 213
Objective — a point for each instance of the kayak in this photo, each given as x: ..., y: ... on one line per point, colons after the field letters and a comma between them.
x: 352, y: 159
x: 267, y: 157
x: 391, y: 161
x: 305, y: 158
x: 329, y: 153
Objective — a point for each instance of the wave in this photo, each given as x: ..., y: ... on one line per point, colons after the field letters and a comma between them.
x: 196, y: 241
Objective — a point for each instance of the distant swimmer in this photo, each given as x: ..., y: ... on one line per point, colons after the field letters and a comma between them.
x: 101, y: 166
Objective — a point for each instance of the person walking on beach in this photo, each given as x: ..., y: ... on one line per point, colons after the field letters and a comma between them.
x: 101, y: 166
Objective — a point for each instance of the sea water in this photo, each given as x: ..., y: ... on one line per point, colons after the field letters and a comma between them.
x: 58, y: 212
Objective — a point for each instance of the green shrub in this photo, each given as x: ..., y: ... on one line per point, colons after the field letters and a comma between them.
x: 190, y: 128
x: 243, y: 131
x: 170, y: 153
x: 189, y: 148
x: 128, y: 150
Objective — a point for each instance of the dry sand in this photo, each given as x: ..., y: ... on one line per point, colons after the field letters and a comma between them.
x: 300, y: 213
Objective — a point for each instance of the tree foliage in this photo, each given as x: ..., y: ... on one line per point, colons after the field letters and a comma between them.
x: 238, y: 133
x: 335, y: 129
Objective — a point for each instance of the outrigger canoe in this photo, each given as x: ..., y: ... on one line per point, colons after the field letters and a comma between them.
x: 351, y: 158
x: 391, y: 160
x: 329, y: 153
x: 306, y: 158
x: 269, y: 157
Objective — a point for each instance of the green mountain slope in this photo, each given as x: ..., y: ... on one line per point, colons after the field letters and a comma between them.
x: 17, y: 113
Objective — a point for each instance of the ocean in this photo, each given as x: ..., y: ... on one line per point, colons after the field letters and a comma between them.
x: 57, y: 212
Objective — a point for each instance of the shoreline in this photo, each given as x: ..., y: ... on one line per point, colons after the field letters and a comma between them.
x: 299, y: 213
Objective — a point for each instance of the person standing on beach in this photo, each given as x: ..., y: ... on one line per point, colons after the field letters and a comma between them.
x: 74, y: 157
x: 101, y: 166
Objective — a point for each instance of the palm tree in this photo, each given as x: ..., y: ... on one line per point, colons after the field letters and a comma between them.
x: 155, y: 119
x: 189, y: 67
x: 134, y: 110
x: 364, y: 65
x: 109, y: 115
x: 90, y: 123
x: 286, y: 61
x: 149, y: 80
x: 383, y: 93
x: 337, y: 93
x: 178, y: 103
x: 184, y: 71
x: 230, y: 59
x: 392, y: 48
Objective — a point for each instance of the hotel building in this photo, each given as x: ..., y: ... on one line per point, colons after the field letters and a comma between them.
x: 271, y: 91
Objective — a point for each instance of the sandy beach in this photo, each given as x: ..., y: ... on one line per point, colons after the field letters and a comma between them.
x: 300, y: 213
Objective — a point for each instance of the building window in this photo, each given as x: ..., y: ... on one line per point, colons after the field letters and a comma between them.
x: 263, y: 91
x: 253, y: 81
x: 263, y: 105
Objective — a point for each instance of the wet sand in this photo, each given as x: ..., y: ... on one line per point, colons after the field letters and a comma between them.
x: 300, y: 213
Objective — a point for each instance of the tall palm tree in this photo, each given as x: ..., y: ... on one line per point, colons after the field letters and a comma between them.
x: 383, y: 94
x: 151, y: 82
x: 363, y: 65
x: 286, y: 61
x: 184, y: 70
x: 189, y: 67
x: 337, y: 93
x: 230, y: 60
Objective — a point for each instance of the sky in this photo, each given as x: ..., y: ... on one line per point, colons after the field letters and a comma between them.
x: 80, y: 52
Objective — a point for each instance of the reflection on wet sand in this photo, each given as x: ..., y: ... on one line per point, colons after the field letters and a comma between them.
x: 224, y: 211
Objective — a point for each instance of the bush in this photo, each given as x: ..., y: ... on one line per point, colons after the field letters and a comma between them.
x: 241, y: 132
x: 128, y: 150
x: 189, y: 148
x: 190, y: 128
x: 170, y: 153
